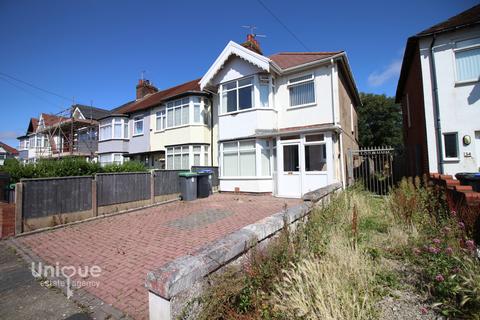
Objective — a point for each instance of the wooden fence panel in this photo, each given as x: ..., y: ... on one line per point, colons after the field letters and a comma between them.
x: 167, y: 182
x: 50, y: 196
x: 114, y: 188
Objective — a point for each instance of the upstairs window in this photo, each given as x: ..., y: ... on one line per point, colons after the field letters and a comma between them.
x: 264, y: 90
x: 178, y: 112
x: 467, y: 60
x: 137, y: 125
x: 302, y: 90
x: 161, y: 120
x: 237, y: 95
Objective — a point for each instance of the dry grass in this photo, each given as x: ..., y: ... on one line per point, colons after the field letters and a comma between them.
x: 337, y: 286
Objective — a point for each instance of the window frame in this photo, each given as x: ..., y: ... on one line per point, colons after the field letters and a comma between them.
x: 136, y: 120
x: 321, y: 142
x: 170, y: 108
x: 291, y: 84
x: 162, y: 115
x: 444, y: 154
x: 463, y: 49
x: 111, y: 123
x: 237, y: 89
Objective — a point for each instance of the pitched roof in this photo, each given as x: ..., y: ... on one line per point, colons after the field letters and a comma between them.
x: 159, y: 97
x: 50, y: 119
x: 33, y: 124
x: 464, y: 19
x: 91, y: 112
x: 287, y: 60
x: 9, y: 149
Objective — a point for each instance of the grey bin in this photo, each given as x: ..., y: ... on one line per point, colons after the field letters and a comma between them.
x: 188, y: 185
x: 204, y: 188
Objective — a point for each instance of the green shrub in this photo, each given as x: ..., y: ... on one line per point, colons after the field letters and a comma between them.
x: 65, y: 167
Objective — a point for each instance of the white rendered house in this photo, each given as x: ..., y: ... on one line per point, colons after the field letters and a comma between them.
x: 439, y: 89
x: 284, y: 123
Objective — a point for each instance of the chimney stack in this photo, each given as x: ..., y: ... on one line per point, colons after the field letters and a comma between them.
x: 144, y: 88
x: 252, y: 44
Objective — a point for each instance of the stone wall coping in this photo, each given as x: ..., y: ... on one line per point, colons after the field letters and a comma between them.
x: 181, y: 273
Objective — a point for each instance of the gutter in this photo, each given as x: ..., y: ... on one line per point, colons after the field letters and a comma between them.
x: 436, y: 108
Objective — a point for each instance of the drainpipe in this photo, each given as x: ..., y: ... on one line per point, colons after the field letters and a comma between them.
x: 340, y: 137
x: 436, y: 107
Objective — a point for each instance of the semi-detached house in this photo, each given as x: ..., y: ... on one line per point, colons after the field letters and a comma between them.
x: 280, y: 124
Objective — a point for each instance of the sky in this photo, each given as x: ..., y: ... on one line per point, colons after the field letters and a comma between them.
x: 94, y: 51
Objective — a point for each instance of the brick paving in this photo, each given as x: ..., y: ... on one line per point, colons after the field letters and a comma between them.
x: 127, y: 246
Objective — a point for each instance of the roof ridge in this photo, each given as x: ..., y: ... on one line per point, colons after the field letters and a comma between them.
x: 306, y: 53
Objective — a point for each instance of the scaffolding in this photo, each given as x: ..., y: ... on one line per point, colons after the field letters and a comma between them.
x: 66, y: 134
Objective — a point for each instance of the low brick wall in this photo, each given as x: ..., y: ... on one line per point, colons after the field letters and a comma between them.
x: 462, y: 200
x: 173, y: 285
x: 7, y: 219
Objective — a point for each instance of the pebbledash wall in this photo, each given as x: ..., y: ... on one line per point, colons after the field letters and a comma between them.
x: 49, y: 202
x: 175, y: 285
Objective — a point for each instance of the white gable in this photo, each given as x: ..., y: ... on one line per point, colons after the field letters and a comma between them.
x: 234, y: 68
x: 2, y: 150
x: 233, y: 48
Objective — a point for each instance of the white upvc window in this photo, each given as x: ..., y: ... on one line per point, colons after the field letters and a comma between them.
x: 137, y: 125
x: 239, y: 159
x: 178, y: 112
x: 111, y: 158
x: 115, y: 128
x: 161, y: 120
x: 315, y: 153
x: 467, y: 60
x: 302, y: 91
x: 237, y: 95
x: 264, y: 90
x: 178, y: 158
x: 197, y: 155
x: 206, y: 155
x: 450, y: 146
x: 32, y: 142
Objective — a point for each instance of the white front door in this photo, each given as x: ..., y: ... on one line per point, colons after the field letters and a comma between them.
x: 289, y: 171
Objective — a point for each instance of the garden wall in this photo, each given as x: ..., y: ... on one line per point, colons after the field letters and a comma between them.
x: 174, y: 285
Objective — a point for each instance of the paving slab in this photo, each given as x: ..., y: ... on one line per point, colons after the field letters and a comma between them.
x: 129, y: 245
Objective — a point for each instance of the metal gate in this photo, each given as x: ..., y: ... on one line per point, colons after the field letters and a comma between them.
x: 373, y: 168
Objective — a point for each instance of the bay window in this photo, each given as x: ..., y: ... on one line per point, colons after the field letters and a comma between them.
x: 183, y: 157
x: 205, y: 161
x: 116, y: 128
x: 197, y: 153
x: 302, y: 90
x: 239, y: 158
x: 138, y: 125
x: 237, y: 95
x: 264, y: 89
x: 467, y: 60
x: 178, y: 112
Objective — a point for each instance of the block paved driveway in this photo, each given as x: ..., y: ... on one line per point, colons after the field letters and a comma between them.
x: 129, y: 245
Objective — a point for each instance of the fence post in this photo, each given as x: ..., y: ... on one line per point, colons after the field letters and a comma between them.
x: 94, y: 197
x: 152, y: 186
x: 18, y: 208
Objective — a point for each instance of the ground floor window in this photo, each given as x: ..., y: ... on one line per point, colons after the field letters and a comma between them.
x: 450, y: 141
x: 315, y: 153
x: 111, y: 158
x: 246, y: 158
x: 183, y: 157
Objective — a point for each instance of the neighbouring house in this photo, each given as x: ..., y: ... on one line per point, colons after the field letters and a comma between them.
x: 56, y: 136
x: 284, y: 122
x: 281, y: 124
x: 439, y: 90
x: 7, y: 152
x: 164, y: 129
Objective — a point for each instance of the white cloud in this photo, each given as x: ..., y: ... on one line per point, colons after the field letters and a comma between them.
x: 376, y: 79
x: 5, y: 135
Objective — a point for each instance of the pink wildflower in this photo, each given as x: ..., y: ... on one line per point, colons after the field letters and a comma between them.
x: 453, y: 213
x: 470, y: 244
x: 436, y: 241
x: 448, y: 251
x: 439, y: 278
x: 416, y: 251
x: 433, y: 250
x: 456, y: 270
x: 461, y: 225
x: 423, y: 310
